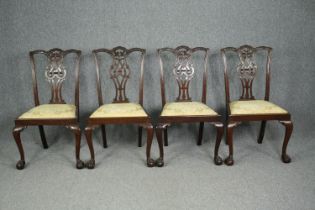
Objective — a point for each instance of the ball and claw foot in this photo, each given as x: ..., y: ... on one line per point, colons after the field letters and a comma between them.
x: 150, y: 163
x: 286, y: 158
x: 159, y: 162
x: 218, y: 160
x: 20, y: 164
x: 80, y: 164
x: 90, y: 164
x: 229, y: 161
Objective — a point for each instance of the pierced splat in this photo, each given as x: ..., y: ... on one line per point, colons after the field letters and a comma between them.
x: 55, y: 74
x: 184, y: 72
x: 119, y: 73
x: 247, y: 70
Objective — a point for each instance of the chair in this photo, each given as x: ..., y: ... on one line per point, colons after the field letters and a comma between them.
x: 247, y: 108
x: 57, y: 112
x: 120, y: 111
x: 184, y: 110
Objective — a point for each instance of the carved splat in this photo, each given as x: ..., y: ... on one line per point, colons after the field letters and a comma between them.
x: 247, y: 70
x: 184, y: 72
x: 55, y: 74
x: 119, y: 73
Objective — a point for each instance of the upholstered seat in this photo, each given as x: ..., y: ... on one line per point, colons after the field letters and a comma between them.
x: 50, y: 111
x: 255, y: 107
x: 187, y: 109
x: 119, y: 110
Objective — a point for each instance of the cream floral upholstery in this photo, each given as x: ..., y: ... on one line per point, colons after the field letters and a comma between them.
x: 50, y: 111
x: 187, y: 109
x: 255, y: 107
x: 119, y: 110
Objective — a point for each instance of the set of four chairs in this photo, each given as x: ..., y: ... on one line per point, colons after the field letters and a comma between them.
x: 122, y: 111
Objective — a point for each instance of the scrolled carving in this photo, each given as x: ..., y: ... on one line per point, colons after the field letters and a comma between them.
x: 119, y: 73
x: 183, y: 71
x: 246, y: 69
x: 55, y: 74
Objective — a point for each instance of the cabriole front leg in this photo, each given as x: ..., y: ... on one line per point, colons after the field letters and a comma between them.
x: 88, y: 134
x: 150, y: 130
x: 159, y: 132
x: 17, y: 137
x: 77, y: 133
x: 288, y: 131
x: 229, y: 136
x: 220, y: 129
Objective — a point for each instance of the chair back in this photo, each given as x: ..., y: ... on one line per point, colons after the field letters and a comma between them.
x: 183, y: 71
x: 119, y: 72
x: 246, y: 69
x: 55, y: 73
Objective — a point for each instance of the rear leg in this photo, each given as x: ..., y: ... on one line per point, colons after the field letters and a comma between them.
x: 139, y: 136
x: 261, y: 132
x: 165, y: 137
x: 201, y: 125
x: 104, y: 136
x: 43, y: 136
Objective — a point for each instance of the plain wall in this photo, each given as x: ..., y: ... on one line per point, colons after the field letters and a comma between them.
x: 287, y: 26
